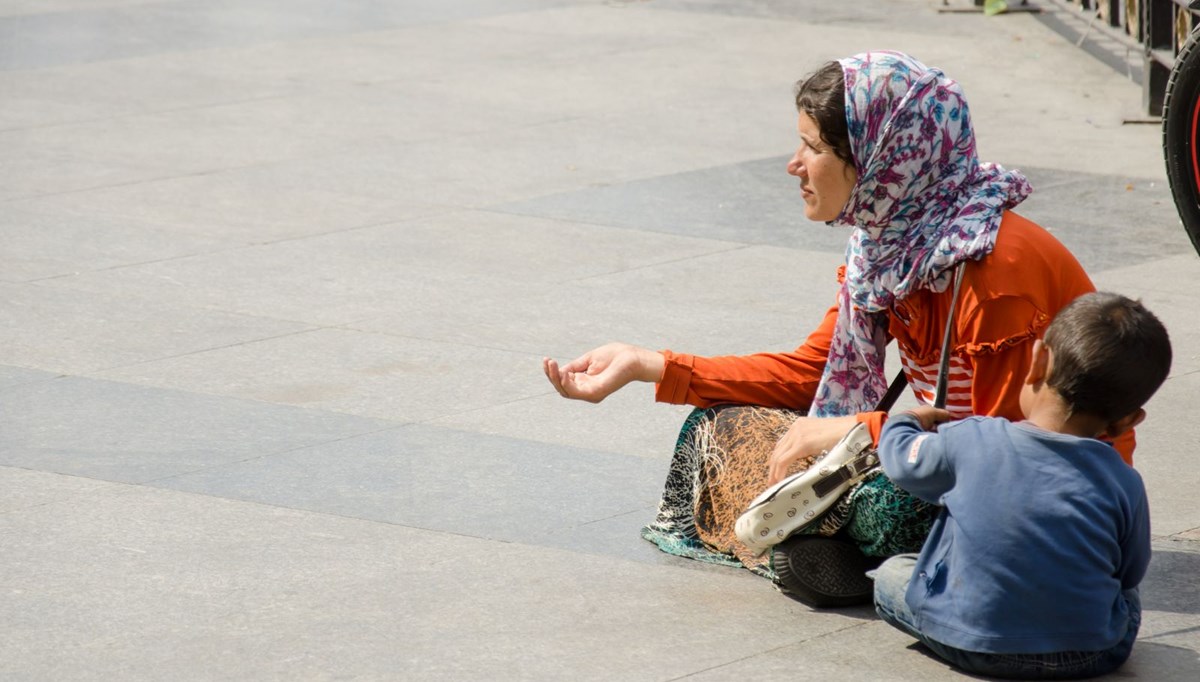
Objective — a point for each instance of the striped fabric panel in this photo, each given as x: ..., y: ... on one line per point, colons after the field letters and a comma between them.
x: 923, y: 380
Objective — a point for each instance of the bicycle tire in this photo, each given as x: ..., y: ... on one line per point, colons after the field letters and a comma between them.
x: 1181, y: 136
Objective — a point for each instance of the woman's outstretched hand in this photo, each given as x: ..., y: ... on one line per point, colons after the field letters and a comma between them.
x: 599, y: 373
x: 806, y: 437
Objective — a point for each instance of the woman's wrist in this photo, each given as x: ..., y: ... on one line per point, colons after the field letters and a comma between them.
x: 654, y: 365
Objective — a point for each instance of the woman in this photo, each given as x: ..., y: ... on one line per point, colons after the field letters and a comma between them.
x: 887, y: 150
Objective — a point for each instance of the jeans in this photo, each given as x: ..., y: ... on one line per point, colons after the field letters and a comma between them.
x: 891, y: 582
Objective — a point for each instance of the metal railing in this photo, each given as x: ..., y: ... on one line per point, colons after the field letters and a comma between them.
x: 1157, y: 29
x: 1149, y: 32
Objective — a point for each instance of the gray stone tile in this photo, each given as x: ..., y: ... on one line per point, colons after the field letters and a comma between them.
x: 31, y: 170
x: 485, y: 168
x: 529, y: 317
x: 284, y: 122
x: 522, y: 647
x: 1167, y: 588
x: 120, y: 31
x: 370, y: 375
x: 118, y: 432
x: 1161, y: 438
x: 315, y: 82
x: 91, y: 33
x: 1167, y: 278
x: 432, y: 56
x: 1165, y: 286
x: 858, y: 13
x: 1160, y: 660
x: 621, y: 25
x: 1167, y: 645
x: 1083, y: 113
x: 774, y: 306
x: 454, y: 482
x: 893, y: 657
x: 397, y: 267
x: 198, y: 587
x: 627, y: 423
x: 19, y: 8
x: 43, y: 240
x: 786, y: 290
x: 336, y: 115
x: 502, y: 246
x: 240, y: 206
x: 74, y: 332
x: 319, y: 281
x: 177, y: 142
x: 599, y: 55
x: 755, y: 202
x: 76, y: 93
x: 23, y: 489
x: 1129, y: 220
x: 635, y: 150
x: 11, y: 377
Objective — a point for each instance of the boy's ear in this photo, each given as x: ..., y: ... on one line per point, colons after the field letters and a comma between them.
x: 1039, y: 365
x: 1125, y: 423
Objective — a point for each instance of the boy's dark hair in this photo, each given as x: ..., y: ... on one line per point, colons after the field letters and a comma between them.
x: 1110, y: 355
x: 822, y: 95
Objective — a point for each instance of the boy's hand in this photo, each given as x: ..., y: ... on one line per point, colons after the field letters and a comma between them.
x: 929, y: 417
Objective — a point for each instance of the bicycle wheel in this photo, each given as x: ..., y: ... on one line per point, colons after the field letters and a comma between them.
x: 1181, y: 135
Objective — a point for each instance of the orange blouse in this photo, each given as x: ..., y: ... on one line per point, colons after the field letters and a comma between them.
x: 1007, y: 300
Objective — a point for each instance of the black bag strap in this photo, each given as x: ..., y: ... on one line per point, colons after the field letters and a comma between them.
x: 893, y: 393
x: 898, y: 384
x: 939, y: 398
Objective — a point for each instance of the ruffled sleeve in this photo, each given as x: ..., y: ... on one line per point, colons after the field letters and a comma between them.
x: 786, y: 380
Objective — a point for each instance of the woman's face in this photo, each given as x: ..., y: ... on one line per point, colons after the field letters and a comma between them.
x: 825, y: 180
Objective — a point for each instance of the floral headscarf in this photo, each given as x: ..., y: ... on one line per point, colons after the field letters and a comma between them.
x: 923, y: 203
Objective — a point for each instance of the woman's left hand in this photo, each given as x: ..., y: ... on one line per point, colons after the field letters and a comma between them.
x: 807, y: 436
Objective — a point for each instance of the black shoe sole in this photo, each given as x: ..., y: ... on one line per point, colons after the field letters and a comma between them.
x: 823, y: 572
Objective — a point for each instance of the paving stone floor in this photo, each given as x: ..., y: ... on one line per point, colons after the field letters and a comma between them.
x: 276, y: 277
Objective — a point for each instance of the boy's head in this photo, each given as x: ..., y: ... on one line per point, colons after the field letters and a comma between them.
x: 1108, y: 355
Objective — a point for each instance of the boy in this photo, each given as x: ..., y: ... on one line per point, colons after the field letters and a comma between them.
x: 1032, y: 567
